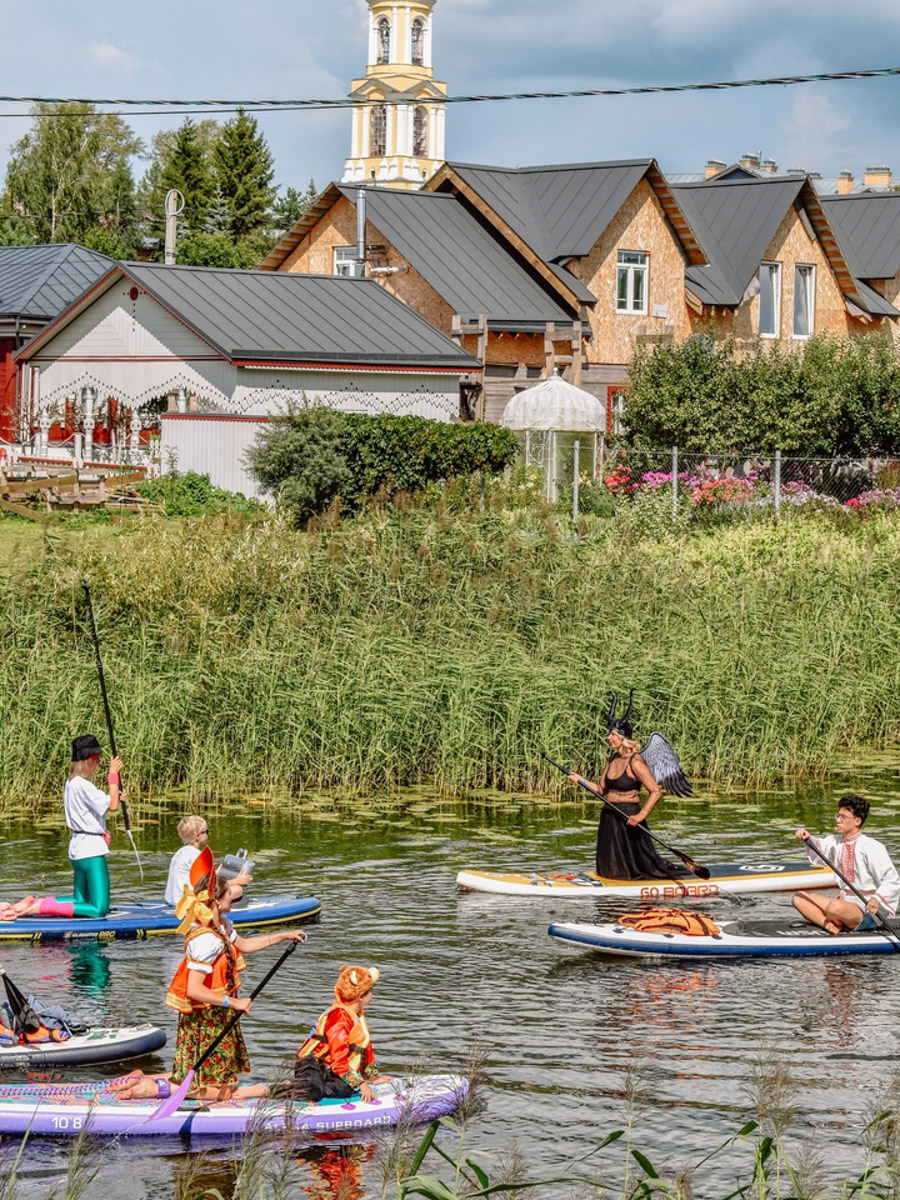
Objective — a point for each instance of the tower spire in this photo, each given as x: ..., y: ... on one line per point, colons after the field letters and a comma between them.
x: 398, y: 132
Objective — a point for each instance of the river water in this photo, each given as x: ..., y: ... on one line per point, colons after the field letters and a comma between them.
x: 563, y: 1030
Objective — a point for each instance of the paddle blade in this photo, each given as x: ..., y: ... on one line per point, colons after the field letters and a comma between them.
x: 698, y: 869
x: 175, y: 1101
x: 23, y: 1014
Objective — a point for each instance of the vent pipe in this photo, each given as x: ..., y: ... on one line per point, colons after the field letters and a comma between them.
x: 361, y: 231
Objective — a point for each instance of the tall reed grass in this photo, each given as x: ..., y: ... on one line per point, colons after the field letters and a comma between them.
x: 425, y: 645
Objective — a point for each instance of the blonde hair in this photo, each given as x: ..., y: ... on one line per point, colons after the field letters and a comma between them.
x: 629, y: 747
x: 189, y: 828
x: 83, y: 768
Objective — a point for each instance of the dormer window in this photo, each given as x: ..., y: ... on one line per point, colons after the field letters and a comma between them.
x: 420, y: 132
x: 378, y: 132
x: 418, y: 42
x: 383, y: 40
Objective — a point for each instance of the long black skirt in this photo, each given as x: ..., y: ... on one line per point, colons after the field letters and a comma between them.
x: 624, y: 852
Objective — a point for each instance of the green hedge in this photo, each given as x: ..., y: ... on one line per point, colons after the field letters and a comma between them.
x: 830, y: 397
x: 313, y: 456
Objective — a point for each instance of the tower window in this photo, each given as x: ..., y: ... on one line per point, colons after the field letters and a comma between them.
x: 378, y: 132
x: 420, y: 132
x: 383, y: 35
x: 418, y: 42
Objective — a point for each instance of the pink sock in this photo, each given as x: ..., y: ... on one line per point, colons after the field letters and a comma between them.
x: 56, y: 908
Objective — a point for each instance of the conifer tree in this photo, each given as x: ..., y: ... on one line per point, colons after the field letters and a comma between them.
x: 188, y: 167
x: 244, y: 170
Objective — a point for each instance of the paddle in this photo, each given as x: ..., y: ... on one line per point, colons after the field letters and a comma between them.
x: 843, y: 878
x: 177, y: 1098
x: 109, y: 724
x: 700, y: 871
x: 24, y: 1017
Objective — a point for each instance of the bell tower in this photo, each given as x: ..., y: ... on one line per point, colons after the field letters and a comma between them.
x: 398, y: 133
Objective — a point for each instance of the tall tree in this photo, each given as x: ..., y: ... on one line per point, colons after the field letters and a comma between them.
x: 71, y: 174
x: 290, y: 207
x: 167, y: 151
x: 244, y: 170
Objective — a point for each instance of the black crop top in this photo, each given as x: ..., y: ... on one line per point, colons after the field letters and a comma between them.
x: 623, y: 783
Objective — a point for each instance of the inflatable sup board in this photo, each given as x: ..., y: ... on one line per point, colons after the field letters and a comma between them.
x: 735, y: 878
x: 736, y: 939
x: 143, y: 920
x: 84, y: 1049
x: 66, y: 1109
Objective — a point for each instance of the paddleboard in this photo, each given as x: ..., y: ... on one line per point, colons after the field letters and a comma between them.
x: 126, y: 922
x: 734, y: 878
x: 738, y: 939
x: 65, y: 1110
x: 95, y: 1046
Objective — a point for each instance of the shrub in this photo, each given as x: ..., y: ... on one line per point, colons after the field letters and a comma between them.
x: 301, y: 460
x: 192, y: 495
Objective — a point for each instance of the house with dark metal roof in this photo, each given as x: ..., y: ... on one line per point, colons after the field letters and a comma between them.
x: 868, y: 229
x: 776, y: 268
x: 528, y: 268
x: 220, y: 351
x: 36, y: 284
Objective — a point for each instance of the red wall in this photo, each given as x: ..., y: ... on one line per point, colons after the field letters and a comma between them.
x: 7, y: 389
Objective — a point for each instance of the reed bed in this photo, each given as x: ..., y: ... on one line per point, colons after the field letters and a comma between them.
x: 431, y: 646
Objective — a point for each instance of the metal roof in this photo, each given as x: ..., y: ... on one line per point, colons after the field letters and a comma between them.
x: 39, y: 282
x: 464, y: 263
x: 277, y: 317
x: 869, y: 225
x: 561, y: 211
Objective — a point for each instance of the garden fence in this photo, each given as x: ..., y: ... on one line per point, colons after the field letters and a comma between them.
x: 748, y: 481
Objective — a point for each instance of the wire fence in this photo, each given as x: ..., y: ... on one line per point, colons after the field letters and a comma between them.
x: 576, y: 467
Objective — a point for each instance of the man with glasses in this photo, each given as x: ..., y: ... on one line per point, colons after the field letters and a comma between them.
x: 862, y: 860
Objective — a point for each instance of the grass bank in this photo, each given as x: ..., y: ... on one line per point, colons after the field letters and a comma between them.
x: 422, y: 645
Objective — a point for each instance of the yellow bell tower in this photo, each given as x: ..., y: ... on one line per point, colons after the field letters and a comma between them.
x: 398, y: 134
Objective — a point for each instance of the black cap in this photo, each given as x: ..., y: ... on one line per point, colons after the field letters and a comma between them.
x: 84, y: 747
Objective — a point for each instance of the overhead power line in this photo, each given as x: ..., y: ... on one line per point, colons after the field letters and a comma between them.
x: 177, y: 107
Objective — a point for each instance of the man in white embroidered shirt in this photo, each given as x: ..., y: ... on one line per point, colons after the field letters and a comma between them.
x: 862, y: 860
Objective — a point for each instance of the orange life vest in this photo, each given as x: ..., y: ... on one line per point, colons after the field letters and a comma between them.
x: 359, y: 1043
x: 216, y: 980
x: 670, y: 920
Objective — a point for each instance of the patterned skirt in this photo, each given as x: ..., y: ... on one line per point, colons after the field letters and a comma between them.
x: 196, y: 1030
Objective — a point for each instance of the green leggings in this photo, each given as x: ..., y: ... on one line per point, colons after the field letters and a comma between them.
x: 91, y: 897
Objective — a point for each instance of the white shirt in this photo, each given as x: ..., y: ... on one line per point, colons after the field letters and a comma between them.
x: 180, y: 872
x: 203, y: 950
x: 86, y: 808
x: 865, y: 863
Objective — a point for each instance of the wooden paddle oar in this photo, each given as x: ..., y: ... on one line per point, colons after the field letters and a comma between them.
x: 886, y: 929
x: 177, y: 1098
x: 700, y: 871
x: 109, y: 725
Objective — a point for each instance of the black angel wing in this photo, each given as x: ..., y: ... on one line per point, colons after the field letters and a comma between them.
x: 663, y: 764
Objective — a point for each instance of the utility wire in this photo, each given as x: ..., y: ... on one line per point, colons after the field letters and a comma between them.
x: 180, y: 106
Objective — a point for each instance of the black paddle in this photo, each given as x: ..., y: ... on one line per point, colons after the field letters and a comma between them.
x: 843, y: 878
x: 177, y: 1098
x: 700, y: 871
x: 109, y: 724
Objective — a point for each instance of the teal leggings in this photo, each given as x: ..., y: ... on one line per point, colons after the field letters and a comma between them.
x: 91, y: 897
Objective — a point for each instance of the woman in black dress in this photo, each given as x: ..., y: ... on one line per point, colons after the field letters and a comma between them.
x: 624, y: 851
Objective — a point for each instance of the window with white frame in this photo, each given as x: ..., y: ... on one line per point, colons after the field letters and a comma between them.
x: 378, y: 131
x: 383, y: 41
x: 804, y: 299
x: 417, y: 42
x: 346, y: 262
x: 631, y: 282
x: 420, y: 132
x: 770, y: 299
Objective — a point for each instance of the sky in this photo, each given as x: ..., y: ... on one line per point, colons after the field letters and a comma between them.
x: 306, y: 48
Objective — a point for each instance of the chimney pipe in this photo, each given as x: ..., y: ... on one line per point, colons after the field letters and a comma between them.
x: 361, y: 230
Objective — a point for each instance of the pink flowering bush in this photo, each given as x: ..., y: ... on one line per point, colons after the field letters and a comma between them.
x: 884, y: 499
x: 723, y: 491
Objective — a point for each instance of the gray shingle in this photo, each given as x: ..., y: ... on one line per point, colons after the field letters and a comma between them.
x: 272, y: 316
x: 471, y: 269
x: 39, y: 282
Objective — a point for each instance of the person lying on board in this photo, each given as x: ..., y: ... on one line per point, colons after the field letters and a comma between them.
x: 864, y: 861
x: 623, y: 851
x: 337, y: 1058
x: 86, y: 807
x: 204, y: 993
x: 194, y: 833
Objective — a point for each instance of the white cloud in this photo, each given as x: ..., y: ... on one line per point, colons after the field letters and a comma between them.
x: 112, y: 58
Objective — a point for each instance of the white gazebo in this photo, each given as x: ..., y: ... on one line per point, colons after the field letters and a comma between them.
x: 559, y: 427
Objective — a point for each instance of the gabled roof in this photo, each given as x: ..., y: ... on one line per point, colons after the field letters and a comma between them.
x: 736, y: 220
x: 560, y: 212
x: 471, y: 269
x: 38, y: 282
x: 868, y: 225
x: 262, y: 317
